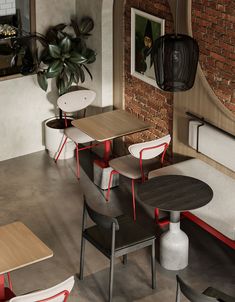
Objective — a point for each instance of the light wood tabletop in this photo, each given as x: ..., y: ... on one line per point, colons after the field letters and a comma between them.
x: 110, y: 125
x: 19, y: 247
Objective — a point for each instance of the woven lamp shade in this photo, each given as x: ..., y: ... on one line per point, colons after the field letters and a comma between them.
x: 175, y: 62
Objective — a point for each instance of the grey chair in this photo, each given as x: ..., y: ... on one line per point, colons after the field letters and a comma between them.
x: 115, y: 237
x: 209, y: 295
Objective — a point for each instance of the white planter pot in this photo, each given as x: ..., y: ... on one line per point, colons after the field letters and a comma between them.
x: 54, y: 139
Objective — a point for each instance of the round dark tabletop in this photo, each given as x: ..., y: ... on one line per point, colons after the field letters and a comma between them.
x: 175, y: 193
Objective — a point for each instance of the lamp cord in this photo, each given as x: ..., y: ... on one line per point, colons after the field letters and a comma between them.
x: 176, y: 17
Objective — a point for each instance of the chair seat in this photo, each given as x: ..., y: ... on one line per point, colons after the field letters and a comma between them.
x: 77, y: 135
x: 219, y: 295
x: 130, y: 233
x: 129, y: 166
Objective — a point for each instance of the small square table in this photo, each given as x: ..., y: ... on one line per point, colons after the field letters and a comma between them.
x: 19, y: 248
x: 109, y: 125
x: 103, y: 128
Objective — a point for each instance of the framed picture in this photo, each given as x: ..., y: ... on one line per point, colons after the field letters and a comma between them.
x: 145, y: 29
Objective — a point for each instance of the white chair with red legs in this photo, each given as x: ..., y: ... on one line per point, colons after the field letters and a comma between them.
x: 57, y: 293
x: 73, y: 102
x: 141, y: 160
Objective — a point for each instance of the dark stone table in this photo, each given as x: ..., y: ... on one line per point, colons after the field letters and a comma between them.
x: 174, y: 193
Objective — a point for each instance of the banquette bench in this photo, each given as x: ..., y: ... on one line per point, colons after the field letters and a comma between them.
x: 217, y: 217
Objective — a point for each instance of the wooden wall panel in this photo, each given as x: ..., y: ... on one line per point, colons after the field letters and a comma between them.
x: 202, y: 101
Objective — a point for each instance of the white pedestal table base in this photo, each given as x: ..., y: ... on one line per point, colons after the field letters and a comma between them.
x: 174, y: 246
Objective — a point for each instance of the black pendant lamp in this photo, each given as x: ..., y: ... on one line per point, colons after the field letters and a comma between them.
x: 175, y: 59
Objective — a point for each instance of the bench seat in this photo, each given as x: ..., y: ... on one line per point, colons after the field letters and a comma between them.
x: 220, y: 212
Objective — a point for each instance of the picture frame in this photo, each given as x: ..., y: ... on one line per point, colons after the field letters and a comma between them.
x: 145, y: 29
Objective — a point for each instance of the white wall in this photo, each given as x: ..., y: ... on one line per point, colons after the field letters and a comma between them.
x: 101, y: 11
x: 24, y: 106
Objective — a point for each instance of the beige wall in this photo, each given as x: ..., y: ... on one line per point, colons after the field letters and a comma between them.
x: 24, y: 106
x: 101, y: 11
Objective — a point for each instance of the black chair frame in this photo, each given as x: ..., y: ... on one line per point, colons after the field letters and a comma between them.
x: 111, y: 223
x: 209, y: 295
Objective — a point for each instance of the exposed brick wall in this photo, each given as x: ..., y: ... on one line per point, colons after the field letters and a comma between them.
x: 141, y: 99
x: 214, y: 28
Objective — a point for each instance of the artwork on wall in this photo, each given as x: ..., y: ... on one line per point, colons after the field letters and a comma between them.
x: 145, y: 29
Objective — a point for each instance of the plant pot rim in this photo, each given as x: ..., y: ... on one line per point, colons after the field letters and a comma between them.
x: 57, y: 123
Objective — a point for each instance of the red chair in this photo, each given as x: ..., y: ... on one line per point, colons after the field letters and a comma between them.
x: 7, y: 292
x: 140, y: 161
x: 73, y: 102
x: 57, y: 293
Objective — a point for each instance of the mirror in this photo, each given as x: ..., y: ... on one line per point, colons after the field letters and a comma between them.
x: 17, y: 19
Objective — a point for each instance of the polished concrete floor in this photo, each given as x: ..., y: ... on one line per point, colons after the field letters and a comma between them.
x: 48, y: 199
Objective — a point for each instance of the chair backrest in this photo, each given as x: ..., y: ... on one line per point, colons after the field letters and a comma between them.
x: 102, y: 220
x: 150, y: 149
x: 76, y: 100
x: 58, y: 293
x: 190, y: 293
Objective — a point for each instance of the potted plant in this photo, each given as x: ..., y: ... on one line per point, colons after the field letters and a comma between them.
x: 63, y: 56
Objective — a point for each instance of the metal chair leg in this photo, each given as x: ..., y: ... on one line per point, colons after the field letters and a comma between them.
x: 133, y: 197
x: 9, y: 281
x: 78, y: 162
x: 124, y: 259
x: 153, y: 266
x: 111, y: 278
x: 109, y: 186
x: 82, y: 258
x: 110, y: 182
x: 62, y: 147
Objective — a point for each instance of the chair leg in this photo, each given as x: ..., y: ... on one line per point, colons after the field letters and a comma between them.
x: 133, y: 197
x: 62, y: 147
x: 153, y: 266
x: 111, y: 278
x: 124, y: 259
x: 110, y: 182
x: 162, y: 222
x: 9, y: 281
x: 82, y: 258
x: 78, y: 162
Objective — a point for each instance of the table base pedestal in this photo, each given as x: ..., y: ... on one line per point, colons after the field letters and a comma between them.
x: 174, y: 245
x: 101, y: 172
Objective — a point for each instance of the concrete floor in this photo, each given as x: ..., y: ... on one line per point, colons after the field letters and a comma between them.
x: 48, y: 199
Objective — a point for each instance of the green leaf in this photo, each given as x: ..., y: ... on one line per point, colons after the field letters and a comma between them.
x: 51, y: 35
x: 71, y: 66
x: 54, y: 69
x: 86, y: 25
x: 76, y: 77
x: 54, y: 51
x: 59, y: 27
x: 62, y: 84
x: 90, y: 55
x: 81, y: 74
x: 77, y: 58
x: 65, y: 45
x: 45, y: 57
x: 14, y: 60
x: 75, y: 27
x: 88, y: 71
x: 42, y: 80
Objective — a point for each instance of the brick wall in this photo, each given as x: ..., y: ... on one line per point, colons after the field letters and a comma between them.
x: 141, y: 99
x: 214, y: 29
